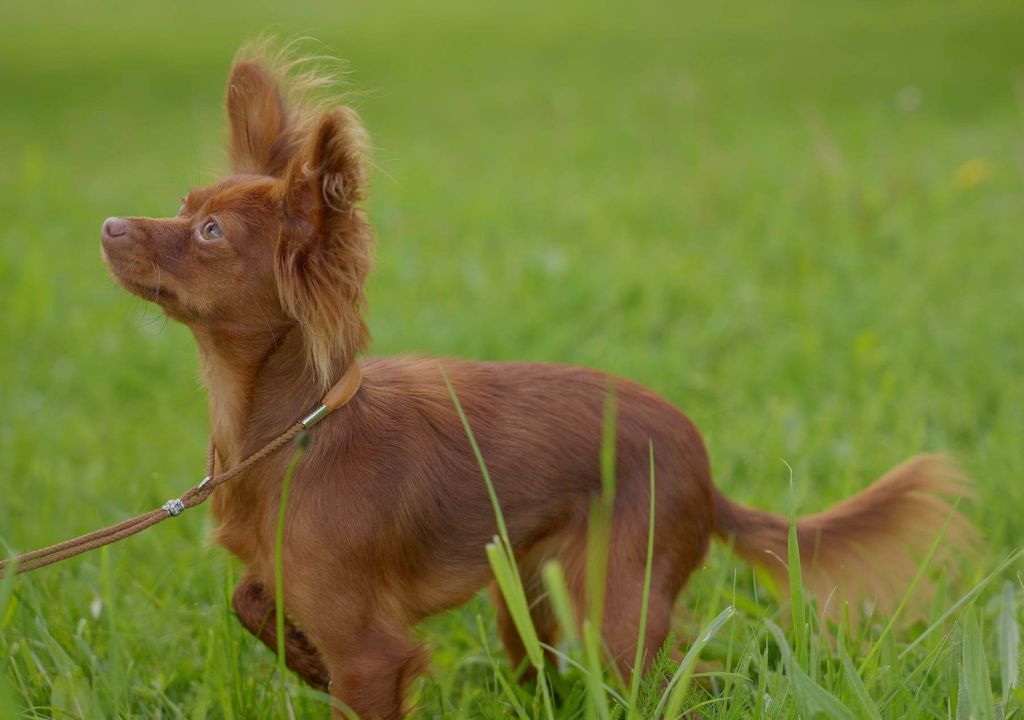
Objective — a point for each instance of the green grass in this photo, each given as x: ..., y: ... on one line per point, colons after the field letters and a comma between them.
x: 798, y: 221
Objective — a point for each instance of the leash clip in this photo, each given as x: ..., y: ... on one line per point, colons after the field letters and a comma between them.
x: 314, y: 417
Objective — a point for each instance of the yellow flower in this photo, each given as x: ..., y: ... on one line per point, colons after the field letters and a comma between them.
x: 972, y: 173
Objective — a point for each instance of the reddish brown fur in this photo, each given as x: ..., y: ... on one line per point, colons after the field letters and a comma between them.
x: 388, y: 515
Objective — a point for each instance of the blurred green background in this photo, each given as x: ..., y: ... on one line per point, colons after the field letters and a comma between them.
x: 799, y: 221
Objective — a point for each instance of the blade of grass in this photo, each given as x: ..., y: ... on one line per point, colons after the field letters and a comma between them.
x: 301, y: 442
x: 923, y: 666
x: 797, y: 601
x: 599, y: 526
x: 1009, y: 642
x: 500, y: 553
x: 598, y: 705
x: 865, y: 706
x: 965, y: 600
x: 582, y: 668
x: 812, y: 700
x: 638, y: 662
x: 963, y: 703
x: 515, y: 600
x: 501, y: 557
x: 558, y: 595
x: 599, y: 531
x: 918, y: 576
x: 672, y: 698
x: 230, y: 697
x: 7, y: 705
x: 506, y: 686
x: 976, y: 677
x: 502, y: 530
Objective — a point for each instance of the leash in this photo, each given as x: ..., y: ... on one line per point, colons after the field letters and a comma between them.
x: 338, y: 396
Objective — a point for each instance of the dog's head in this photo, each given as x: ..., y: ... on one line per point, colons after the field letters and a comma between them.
x: 279, y: 242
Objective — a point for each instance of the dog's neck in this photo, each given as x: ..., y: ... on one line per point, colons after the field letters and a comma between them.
x: 257, y: 386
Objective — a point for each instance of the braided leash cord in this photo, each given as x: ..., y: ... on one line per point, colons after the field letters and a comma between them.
x: 339, y: 395
x: 195, y: 496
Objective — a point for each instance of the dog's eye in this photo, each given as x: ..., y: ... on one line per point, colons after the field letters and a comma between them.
x: 211, y: 231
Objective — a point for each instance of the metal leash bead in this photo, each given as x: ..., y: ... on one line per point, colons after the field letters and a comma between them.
x: 174, y: 507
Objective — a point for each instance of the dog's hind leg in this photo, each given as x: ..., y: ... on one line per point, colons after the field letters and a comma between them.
x: 255, y: 610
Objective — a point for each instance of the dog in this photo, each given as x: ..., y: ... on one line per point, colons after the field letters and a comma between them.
x: 388, y: 515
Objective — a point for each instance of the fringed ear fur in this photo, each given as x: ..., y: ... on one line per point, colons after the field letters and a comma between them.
x: 324, y: 254
x: 258, y: 119
x: 274, y: 98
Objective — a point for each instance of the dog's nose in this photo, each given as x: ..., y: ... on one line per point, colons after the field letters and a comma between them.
x: 114, y: 227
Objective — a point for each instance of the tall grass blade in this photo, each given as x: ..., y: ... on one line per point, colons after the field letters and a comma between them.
x: 672, y: 698
x: 302, y: 441
x: 515, y: 600
x: 594, y: 676
x: 575, y: 664
x: 1009, y: 642
x: 501, y: 557
x: 918, y: 576
x: 599, y: 526
x: 599, y: 531
x: 498, y: 516
x: 976, y: 677
x: 7, y: 706
x: 506, y: 687
x: 963, y: 703
x: 812, y: 700
x: 955, y: 608
x: 865, y: 706
x: 797, y: 601
x: 561, y: 603
x: 638, y: 661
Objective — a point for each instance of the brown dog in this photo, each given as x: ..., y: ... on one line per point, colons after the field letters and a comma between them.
x: 388, y: 514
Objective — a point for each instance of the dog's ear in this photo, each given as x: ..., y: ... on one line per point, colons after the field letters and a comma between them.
x: 326, y: 180
x: 258, y: 121
x: 324, y: 253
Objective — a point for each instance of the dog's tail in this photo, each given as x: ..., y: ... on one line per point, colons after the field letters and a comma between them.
x: 866, y: 547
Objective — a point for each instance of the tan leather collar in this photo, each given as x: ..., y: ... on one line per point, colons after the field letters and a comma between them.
x: 345, y: 389
x: 338, y: 396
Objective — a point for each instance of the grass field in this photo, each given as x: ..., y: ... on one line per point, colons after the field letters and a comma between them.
x: 801, y: 222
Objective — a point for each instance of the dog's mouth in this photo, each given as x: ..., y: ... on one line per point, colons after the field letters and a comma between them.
x: 154, y: 293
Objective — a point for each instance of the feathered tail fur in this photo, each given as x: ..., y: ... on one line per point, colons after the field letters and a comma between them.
x: 866, y: 547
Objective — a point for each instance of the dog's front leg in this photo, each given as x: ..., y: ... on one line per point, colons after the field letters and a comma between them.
x: 371, y: 668
x: 255, y: 610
